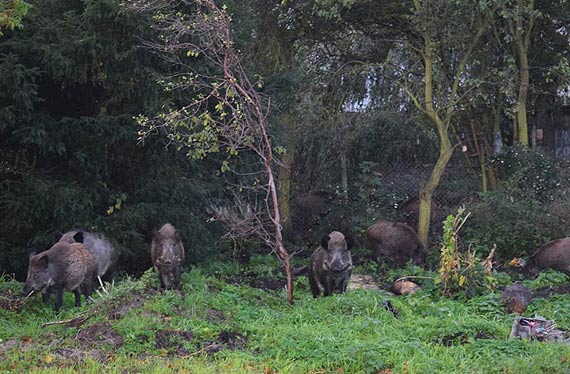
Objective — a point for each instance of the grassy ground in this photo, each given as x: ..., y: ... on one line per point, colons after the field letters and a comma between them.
x: 221, y: 324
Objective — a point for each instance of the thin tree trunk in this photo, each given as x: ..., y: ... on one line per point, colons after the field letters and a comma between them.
x: 285, y: 173
x: 344, y: 173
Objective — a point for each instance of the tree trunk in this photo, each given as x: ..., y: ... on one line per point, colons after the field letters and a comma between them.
x: 285, y: 173
x: 426, y: 191
x: 344, y: 174
x: 522, y: 123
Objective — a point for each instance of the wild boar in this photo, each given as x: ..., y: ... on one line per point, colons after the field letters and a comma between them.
x: 63, y: 267
x: 330, y: 266
x: 104, y: 251
x: 167, y: 254
x: 409, y: 212
x: 396, y: 241
x: 553, y: 255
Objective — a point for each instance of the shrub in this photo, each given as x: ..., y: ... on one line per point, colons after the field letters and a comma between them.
x: 517, y: 226
x: 462, y: 273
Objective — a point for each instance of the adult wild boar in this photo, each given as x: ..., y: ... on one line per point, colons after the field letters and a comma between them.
x: 396, y: 241
x: 553, y: 255
x: 167, y: 254
x: 63, y: 267
x: 409, y: 212
x: 330, y: 266
x: 104, y: 251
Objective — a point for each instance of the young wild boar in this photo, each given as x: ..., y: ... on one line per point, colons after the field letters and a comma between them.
x: 330, y: 266
x: 167, y: 254
x: 553, y: 255
x: 396, y: 241
x: 104, y: 251
x: 63, y: 267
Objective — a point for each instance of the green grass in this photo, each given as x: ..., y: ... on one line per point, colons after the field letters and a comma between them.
x: 348, y: 333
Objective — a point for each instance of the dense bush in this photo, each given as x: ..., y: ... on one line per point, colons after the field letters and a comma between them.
x: 517, y: 226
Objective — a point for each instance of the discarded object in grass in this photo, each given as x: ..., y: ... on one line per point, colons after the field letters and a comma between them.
x: 538, y: 328
x: 386, y: 304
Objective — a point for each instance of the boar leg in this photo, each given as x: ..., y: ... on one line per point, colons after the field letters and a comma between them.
x: 58, y: 299
x: 315, y: 290
x: 164, y: 280
x: 327, y: 286
x: 77, y: 294
x: 46, y: 296
x: 176, y: 271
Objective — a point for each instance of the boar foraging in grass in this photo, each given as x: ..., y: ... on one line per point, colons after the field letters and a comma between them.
x: 330, y: 266
x: 63, y: 267
x: 396, y: 241
x: 553, y: 255
x: 167, y: 254
x: 104, y: 251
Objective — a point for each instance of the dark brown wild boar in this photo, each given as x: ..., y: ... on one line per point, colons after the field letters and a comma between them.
x: 398, y: 242
x: 63, y: 267
x: 167, y: 254
x: 516, y: 298
x: 553, y: 255
x: 330, y: 266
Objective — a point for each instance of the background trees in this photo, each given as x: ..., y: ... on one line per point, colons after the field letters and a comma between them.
x: 372, y: 101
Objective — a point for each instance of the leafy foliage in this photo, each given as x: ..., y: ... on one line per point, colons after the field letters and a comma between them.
x: 517, y: 226
x: 462, y: 272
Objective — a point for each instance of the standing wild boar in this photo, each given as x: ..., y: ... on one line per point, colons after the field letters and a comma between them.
x: 396, y: 241
x: 104, y: 251
x: 63, y: 267
x: 553, y: 255
x: 167, y: 254
x: 330, y: 266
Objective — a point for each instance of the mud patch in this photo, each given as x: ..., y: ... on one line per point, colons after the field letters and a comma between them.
x: 232, y: 340
x: 100, y: 334
x: 213, y: 315
x: 11, y: 301
x: 173, y: 341
x: 548, y: 291
x: 267, y: 284
x: 121, y: 310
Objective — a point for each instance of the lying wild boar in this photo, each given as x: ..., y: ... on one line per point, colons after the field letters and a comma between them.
x: 396, y: 241
x: 63, y: 267
x: 104, y: 251
x: 330, y: 266
x: 167, y: 254
x: 553, y: 255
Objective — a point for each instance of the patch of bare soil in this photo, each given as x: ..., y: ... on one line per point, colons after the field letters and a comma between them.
x: 213, y: 315
x: 11, y: 301
x: 173, y: 341
x: 268, y: 283
x: 363, y: 281
x: 122, y: 309
x: 100, y: 334
x: 548, y: 291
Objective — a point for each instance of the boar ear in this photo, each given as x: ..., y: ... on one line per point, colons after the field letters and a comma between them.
x: 43, y: 261
x: 325, y: 241
x: 349, y: 242
x: 78, y: 237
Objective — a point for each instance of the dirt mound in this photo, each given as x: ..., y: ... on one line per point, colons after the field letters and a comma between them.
x: 100, y: 334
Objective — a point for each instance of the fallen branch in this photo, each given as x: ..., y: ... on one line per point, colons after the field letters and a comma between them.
x: 77, y: 321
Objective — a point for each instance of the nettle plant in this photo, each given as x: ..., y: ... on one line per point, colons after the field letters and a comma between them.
x: 462, y: 273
